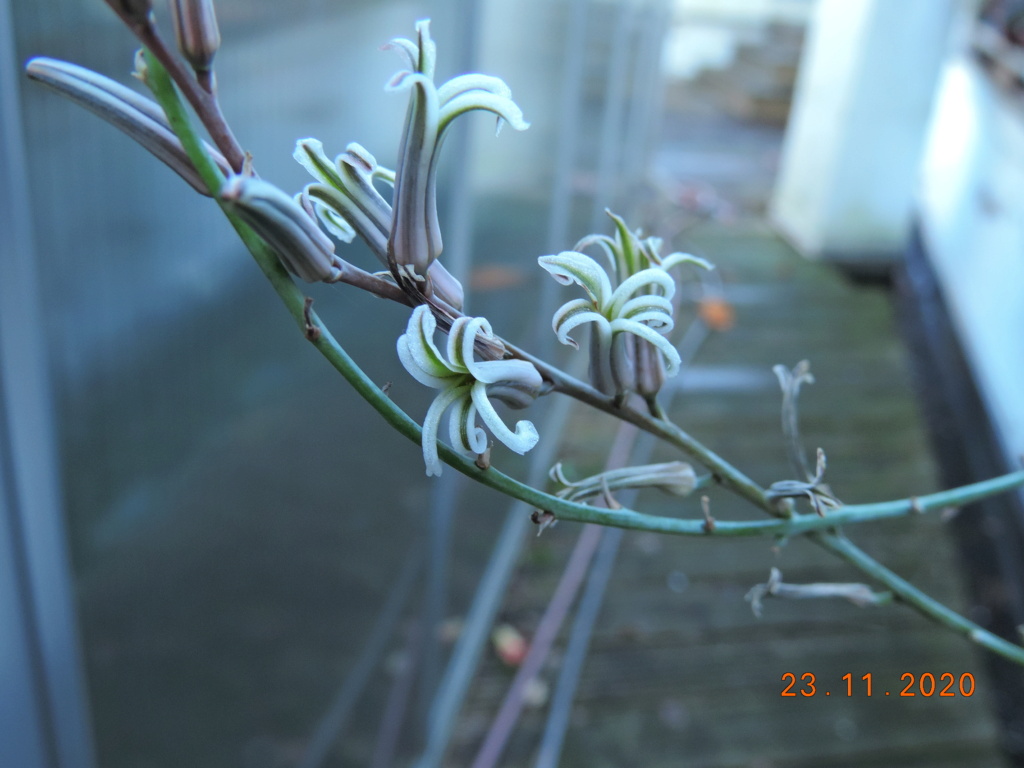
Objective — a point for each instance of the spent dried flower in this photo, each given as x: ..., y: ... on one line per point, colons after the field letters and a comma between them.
x: 813, y: 489
x: 859, y: 594
x: 673, y: 477
x: 790, y: 381
x: 463, y: 383
x: 141, y: 118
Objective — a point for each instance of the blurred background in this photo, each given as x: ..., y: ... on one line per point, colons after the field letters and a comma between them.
x: 213, y: 553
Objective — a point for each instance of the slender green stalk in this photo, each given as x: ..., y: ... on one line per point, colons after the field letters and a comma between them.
x: 911, y: 595
x: 724, y: 472
x: 820, y: 529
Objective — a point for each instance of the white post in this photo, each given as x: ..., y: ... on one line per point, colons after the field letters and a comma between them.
x: 850, y: 160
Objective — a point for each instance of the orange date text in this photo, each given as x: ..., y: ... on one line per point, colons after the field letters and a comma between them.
x: 944, y: 684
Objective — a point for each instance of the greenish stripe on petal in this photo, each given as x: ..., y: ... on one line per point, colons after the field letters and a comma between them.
x: 504, y: 108
x: 432, y: 423
x: 335, y: 224
x: 570, y: 267
x: 473, y: 82
x: 465, y: 435
x: 462, y: 335
x: 647, y: 302
x: 642, y: 279
x: 418, y: 353
x: 415, y: 238
x: 310, y: 155
x: 405, y: 48
x: 511, y: 371
x: 427, y: 49
x: 628, y: 247
x: 675, y: 259
x: 607, y: 245
x: 670, y: 354
x: 655, y: 319
x: 413, y: 364
x: 573, y: 314
x: 350, y: 210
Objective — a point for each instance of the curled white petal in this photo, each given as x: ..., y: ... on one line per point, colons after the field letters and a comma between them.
x: 431, y: 425
x: 675, y: 259
x: 648, y: 305
x: 633, y: 283
x: 418, y: 354
x: 465, y: 435
x: 570, y: 267
x: 511, y: 371
x: 461, y: 338
x: 520, y: 441
x: 473, y: 82
x: 573, y: 314
x: 405, y: 48
x: 506, y: 109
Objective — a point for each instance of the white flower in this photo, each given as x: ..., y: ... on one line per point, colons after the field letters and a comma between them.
x: 415, y: 235
x: 628, y: 344
x: 405, y: 234
x: 463, y: 382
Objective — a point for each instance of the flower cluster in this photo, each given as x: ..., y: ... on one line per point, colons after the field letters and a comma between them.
x: 629, y: 350
x: 405, y: 235
x: 466, y: 386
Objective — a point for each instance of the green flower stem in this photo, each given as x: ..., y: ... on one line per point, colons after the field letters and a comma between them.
x: 820, y: 529
x: 911, y: 595
x: 723, y: 471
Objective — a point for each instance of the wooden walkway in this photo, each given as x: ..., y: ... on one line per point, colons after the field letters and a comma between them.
x: 680, y: 672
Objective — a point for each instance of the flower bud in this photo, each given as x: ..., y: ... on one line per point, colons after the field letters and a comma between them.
x: 195, y: 27
x: 293, y: 234
x: 137, y: 116
x: 133, y: 10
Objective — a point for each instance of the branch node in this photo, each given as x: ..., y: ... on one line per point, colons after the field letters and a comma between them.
x: 309, y: 329
x: 543, y: 519
x: 709, y: 521
x: 483, y: 460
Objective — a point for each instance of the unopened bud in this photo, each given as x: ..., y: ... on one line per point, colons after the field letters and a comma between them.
x: 137, y: 116
x: 293, y: 234
x: 132, y: 10
x: 195, y: 27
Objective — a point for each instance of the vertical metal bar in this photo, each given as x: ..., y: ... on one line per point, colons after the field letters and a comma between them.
x: 466, y: 654
x: 644, y: 111
x: 33, y: 523
x: 24, y: 727
x: 458, y: 257
x: 610, y: 149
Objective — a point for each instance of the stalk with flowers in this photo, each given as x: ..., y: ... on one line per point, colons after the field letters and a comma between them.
x: 627, y: 302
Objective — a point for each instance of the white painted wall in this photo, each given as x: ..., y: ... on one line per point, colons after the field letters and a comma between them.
x: 849, y: 165
x: 971, y: 202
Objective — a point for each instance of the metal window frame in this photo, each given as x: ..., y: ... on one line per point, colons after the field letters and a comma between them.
x: 44, y: 720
